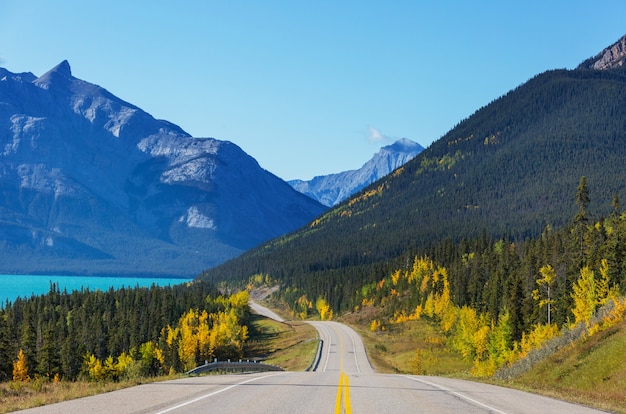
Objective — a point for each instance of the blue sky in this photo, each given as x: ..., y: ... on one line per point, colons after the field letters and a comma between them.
x: 307, y: 87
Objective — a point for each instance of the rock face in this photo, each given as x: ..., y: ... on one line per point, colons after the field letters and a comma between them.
x: 90, y: 184
x: 332, y: 189
x: 612, y: 57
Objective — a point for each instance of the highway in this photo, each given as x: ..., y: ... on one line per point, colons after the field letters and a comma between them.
x: 343, y: 382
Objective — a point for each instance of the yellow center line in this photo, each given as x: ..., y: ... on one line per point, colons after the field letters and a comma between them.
x: 344, y: 384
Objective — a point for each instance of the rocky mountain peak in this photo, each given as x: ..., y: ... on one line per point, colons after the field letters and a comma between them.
x: 62, y: 70
x: 92, y: 184
x: 332, y: 189
x: 612, y: 57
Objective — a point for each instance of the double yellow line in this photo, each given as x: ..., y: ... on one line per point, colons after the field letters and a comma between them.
x: 343, y: 393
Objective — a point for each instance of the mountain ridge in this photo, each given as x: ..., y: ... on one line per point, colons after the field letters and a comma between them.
x: 92, y: 184
x: 509, y: 170
x: 332, y: 189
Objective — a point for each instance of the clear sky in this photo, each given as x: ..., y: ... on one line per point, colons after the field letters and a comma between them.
x: 307, y: 87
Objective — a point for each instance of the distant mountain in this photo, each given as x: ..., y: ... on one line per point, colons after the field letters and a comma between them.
x: 510, y: 170
x: 90, y: 184
x: 332, y: 189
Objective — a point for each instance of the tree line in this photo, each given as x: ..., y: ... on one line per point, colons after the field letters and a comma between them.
x: 127, y: 332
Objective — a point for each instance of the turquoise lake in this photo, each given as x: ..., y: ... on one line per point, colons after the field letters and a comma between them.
x: 14, y: 286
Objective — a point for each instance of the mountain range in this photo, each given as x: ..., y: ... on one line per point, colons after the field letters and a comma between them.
x: 332, y: 189
x: 91, y: 184
x: 509, y: 170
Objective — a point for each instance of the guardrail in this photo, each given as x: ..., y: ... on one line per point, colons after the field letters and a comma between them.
x: 317, y: 357
x: 231, y: 366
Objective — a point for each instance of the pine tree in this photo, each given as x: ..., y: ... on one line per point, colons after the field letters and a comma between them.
x: 5, y: 350
x: 581, y: 218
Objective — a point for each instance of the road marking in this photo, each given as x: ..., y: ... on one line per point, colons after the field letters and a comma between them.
x: 343, y: 390
x: 458, y: 394
x: 356, y: 361
x: 176, y: 407
x: 330, y: 342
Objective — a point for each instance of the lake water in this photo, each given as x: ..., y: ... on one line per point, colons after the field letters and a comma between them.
x: 14, y: 286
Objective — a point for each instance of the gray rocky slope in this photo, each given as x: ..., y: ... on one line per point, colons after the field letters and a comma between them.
x: 90, y: 184
x: 332, y: 189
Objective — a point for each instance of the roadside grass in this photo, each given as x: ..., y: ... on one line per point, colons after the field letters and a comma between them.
x: 16, y: 396
x: 413, y: 347
x: 590, y: 371
x: 291, y: 345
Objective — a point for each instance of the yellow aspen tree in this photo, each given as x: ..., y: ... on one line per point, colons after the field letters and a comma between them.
x: 548, y: 277
x: 466, y: 326
x: 194, y: 338
x: 20, y: 368
x: 375, y: 325
x: 95, y: 368
x: 585, y: 296
x: 323, y: 309
x: 124, y: 364
x: 395, y: 277
x: 536, y: 338
x: 603, y: 286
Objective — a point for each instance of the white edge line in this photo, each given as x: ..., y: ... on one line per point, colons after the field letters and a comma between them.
x: 330, y: 342
x: 458, y: 394
x: 176, y: 407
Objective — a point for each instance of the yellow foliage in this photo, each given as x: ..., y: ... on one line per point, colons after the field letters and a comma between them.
x: 481, y: 340
x: 375, y: 325
x: 585, y: 296
x: 124, y: 362
x: 484, y: 368
x: 395, y: 277
x: 95, y: 368
x: 193, y: 328
x: 536, y: 338
x: 380, y: 284
x: 429, y: 306
x: 603, y: 287
x: 448, y: 318
x: 20, y: 368
x: 323, y: 309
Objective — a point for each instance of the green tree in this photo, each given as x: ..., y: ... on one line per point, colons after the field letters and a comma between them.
x: 5, y: 350
x: 48, y: 355
x: 581, y: 218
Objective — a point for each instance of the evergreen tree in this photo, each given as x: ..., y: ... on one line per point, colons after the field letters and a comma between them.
x: 581, y: 219
x: 6, y: 351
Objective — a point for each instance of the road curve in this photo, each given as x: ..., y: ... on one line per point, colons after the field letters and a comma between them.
x: 343, y: 382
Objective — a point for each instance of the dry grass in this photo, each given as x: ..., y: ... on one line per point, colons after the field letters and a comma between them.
x: 291, y: 345
x: 16, y: 396
x: 590, y: 372
x: 413, y: 347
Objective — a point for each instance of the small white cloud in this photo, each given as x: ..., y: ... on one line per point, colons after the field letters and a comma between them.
x: 375, y: 136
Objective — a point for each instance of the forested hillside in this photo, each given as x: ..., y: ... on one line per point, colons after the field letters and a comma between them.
x: 508, y: 171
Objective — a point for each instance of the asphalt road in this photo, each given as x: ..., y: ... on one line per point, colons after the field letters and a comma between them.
x: 343, y: 382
